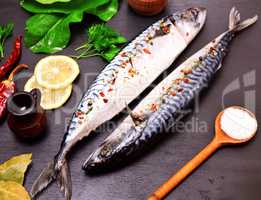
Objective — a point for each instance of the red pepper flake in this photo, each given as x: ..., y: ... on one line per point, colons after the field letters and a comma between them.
x: 147, y: 51
x: 102, y: 94
x: 172, y: 93
x: 153, y: 107
x: 186, y: 80
x: 213, y: 51
x: 105, y: 100
x: 113, y: 81
x: 165, y: 29
x: 123, y: 54
x: 177, y: 81
x: 180, y: 89
x: 110, y: 89
x: 77, y: 114
x: 186, y: 72
x: 132, y: 71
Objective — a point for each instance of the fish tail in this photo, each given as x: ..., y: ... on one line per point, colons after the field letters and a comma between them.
x: 52, y: 173
x: 64, y: 180
x: 235, y: 24
x: 47, y: 176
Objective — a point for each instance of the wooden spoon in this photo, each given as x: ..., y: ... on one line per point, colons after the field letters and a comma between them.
x: 220, y: 139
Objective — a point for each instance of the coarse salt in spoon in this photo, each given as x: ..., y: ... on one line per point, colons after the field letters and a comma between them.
x: 234, y: 125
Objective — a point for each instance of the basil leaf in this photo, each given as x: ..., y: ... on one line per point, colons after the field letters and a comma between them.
x: 57, y: 36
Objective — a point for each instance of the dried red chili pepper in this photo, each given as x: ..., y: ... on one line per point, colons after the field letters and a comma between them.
x: 12, y: 59
x: 7, y: 88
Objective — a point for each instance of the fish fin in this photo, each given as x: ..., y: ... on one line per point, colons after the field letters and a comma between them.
x: 234, y: 21
x: 64, y: 180
x: 132, y: 115
x: 47, y: 176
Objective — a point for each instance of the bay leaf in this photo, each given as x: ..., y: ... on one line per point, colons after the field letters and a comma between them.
x: 10, y: 190
x: 15, y: 168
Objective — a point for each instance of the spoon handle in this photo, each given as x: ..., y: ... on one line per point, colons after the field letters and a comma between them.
x: 176, y: 179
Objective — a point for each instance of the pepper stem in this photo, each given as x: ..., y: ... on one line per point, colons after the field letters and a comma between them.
x: 16, y: 70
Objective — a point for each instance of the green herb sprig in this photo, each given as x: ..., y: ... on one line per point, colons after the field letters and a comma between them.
x: 5, y: 32
x: 102, y: 41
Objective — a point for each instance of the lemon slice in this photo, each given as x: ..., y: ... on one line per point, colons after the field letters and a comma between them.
x: 56, y: 72
x: 51, y: 99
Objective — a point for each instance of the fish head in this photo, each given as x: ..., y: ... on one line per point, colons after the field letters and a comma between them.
x: 100, y: 159
x: 189, y: 22
x: 112, y: 152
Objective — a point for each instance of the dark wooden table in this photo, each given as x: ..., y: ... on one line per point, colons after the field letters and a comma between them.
x: 233, y: 173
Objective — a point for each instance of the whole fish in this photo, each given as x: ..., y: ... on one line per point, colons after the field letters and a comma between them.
x: 129, y: 73
x: 166, y: 103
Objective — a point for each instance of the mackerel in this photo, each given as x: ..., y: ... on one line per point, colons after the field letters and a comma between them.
x: 165, y: 105
x: 129, y: 73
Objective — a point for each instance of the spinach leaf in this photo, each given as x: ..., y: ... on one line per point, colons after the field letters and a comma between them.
x: 51, y: 1
x: 66, y: 8
x: 106, y: 11
x: 37, y: 26
x: 53, y: 32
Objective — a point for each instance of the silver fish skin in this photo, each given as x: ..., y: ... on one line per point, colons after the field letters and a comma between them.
x: 129, y: 73
x: 166, y: 103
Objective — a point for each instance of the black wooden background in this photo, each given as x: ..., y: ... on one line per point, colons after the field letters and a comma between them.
x: 232, y: 173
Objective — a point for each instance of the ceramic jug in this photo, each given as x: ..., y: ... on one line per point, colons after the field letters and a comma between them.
x: 26, y: 117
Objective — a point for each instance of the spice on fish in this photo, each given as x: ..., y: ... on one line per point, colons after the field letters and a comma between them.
x: 132, y: 72
x: 153, y: 107
x: 147, y: 51
x: 102, y: 94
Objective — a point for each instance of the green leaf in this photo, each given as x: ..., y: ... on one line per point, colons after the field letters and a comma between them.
x: 66, y: 8
x: 56, y: 37
x: 37, y: 26
x: 102, y: 41
x: 15, y: 168
x: 118, y: 40
x: 106, y: 11
x: 5, y: 32
x: 51, y: 1
x: 110, y: 53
